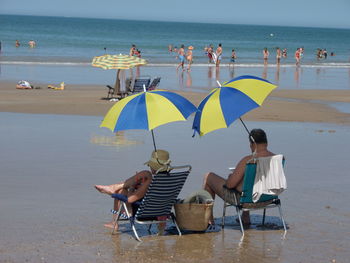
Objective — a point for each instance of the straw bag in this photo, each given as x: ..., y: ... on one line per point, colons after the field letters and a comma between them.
x: 192, y: 216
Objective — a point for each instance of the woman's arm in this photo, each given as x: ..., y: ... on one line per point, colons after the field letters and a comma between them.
x: 141, y: 190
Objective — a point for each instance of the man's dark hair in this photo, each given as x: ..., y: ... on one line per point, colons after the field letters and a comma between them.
x: 258, y: 136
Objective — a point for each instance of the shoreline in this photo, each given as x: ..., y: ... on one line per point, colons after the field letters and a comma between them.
x: 281, y: 105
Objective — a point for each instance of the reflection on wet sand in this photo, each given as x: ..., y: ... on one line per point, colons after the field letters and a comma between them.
x: 119, y: 139
x: 264, y: 73
x: 297, y: 77
x: 277, y: 74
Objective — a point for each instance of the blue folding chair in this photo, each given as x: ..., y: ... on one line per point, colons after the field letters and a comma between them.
x: 156, y: 206
x: 244, y: 202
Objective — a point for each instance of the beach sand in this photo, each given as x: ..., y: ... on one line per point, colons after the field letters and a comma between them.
x: 281, y: 105
x: 50, y: 211
x: 53, y: 152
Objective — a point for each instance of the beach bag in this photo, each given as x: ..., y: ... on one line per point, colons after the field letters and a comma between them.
x: 193, y: 217
x: 194, y: 212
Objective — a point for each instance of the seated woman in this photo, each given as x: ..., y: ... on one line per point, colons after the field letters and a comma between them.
x: 214, y: 183
x: 136, y: 186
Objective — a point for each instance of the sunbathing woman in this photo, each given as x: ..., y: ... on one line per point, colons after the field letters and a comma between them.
x: 136, y: 186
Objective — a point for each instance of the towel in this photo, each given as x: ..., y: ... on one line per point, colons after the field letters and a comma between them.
x: 269, y: 178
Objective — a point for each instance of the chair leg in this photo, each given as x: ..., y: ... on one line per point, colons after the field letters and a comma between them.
x: 149, y: 228
x: 281, y: 215
x: 263, y: 220
x: 223, y: 214
x: 175, y: 223
x: 240, y: 220
x: 134, y: 229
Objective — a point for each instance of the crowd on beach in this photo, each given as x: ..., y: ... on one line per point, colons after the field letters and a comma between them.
x: 215, y: 55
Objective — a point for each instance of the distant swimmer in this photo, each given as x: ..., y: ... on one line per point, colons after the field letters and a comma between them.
x: 17, y: 44
x: 278, y: 55
x: 266, y: 55
x: 170, y: 48
x: 32, y: 44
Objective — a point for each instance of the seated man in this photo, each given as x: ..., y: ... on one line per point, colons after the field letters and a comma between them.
x: 136, y: 186
x: 213, y: 183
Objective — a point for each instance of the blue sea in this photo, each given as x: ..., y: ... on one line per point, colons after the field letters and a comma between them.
x: 64, y: 40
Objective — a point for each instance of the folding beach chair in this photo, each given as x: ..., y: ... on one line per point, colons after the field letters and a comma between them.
x: 139, y: 83
x: 244, y: 201
x: 154, y: 84
x: 156, y: 206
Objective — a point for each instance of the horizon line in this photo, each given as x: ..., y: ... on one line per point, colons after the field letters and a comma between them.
x: 174, y: 21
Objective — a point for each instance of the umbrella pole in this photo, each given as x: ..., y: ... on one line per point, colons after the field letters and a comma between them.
x: 154, y: 143
x: 244, y: 125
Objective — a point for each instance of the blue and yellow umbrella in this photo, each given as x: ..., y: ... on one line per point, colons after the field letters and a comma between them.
x: 147, y: 110
x: 229, y: 102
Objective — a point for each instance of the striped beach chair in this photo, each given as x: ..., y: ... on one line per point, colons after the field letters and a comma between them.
x: 156, y: 206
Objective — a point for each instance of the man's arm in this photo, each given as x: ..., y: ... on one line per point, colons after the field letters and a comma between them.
x: 236, y: 177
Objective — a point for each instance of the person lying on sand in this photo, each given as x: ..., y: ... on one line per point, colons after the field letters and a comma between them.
x: 136, y: 186
x: 214, y: 183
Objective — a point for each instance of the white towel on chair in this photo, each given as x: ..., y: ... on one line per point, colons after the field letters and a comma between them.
x: 269, y: 178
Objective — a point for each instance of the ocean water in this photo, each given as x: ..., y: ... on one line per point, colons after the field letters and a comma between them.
x: 63, y: 40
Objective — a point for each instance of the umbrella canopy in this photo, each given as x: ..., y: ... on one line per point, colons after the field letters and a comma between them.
x: 117, y: 61
x: 147, y: 110
x: 229, y: 102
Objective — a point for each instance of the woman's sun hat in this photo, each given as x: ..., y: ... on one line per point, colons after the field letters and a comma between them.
x: 190, y: 47
x: 159, y: 161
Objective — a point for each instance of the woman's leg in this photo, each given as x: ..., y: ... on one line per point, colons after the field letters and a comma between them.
x: 116, y: 205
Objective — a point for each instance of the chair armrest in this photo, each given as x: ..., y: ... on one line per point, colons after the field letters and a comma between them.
x: 124, y: 199
x: 120, y: 197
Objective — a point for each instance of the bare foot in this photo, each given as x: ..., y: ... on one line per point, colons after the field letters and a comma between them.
x: 105, y: 189
x: 111, y: 225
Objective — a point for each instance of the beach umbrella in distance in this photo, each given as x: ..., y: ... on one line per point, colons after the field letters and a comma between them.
x: 229, y: 102
x: 147, y: 110
x: 118, y: 62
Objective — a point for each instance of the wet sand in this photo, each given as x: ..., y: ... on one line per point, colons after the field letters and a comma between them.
x: 281, y: 105
x: 53, y: 152
x: 50, y: 211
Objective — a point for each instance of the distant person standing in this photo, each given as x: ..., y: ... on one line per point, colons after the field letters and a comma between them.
x: 218, y: 55
x: 17, y: 44
x: 297, y: 57
x: 181, y: 57
x: 189, y: 57
x: 278, y: 55
x: 132, y: 50
x: 266, y: 55
x: 284, y: 53
x: 32, y: 44
x: 233, y: 56
x: 325, y: 54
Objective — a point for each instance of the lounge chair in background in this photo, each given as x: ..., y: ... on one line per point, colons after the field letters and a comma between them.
x: 139, y: 83
x: 156, y: 206
x: 154, y: 84
x: 244, y: 201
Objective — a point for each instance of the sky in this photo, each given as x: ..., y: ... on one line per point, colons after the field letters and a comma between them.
x: 308, y: 13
